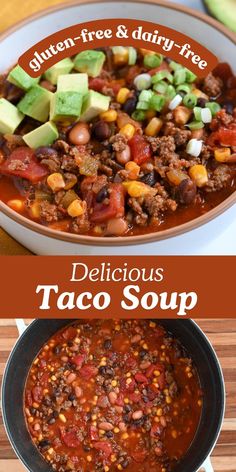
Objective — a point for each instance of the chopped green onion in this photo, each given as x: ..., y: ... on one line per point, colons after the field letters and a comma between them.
x: 179, y: 76
x: 214, y: 107
x: 183, y: 88
x: 195, y: 125
x: 175, y: 66
x: 175, y: 102
x: 119, y: 50
x: 197, y: 113
x: 170, y: 92
x: 139, y: 115
x: 145, y: 95
x: 142, y: 105
x: 190, y: 76
x: 132, y: 56
x: 190, y: 100
x: 160, y: 87
x: 163, y: 74
x: 152, y: 60
x: 143, y: 81
x: 157, y: 102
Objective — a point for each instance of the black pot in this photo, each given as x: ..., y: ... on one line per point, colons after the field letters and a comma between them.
x: 189, y: 334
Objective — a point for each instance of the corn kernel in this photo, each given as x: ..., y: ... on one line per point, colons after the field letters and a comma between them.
x: 89, y: 458
x: 222, y: 154
x: 35, y: 405
x: 182, y: 115
x: 94, y: 417
x: 56, y: 182
x: 121, y: 58
x: 156, y: 419
x: 117, y: 328
x: 176, y: 176
x: 152, y: 324
x: 30, y: 419
x: 126, y: 401
x: 157, y: 373
x: 199, y: 402
x: 50, y: 451
x: 128, y: 131
x: 132, y: 169
x: 75, y: 208
x: 189, y: 375
x: 53, y: 378
x: 174, y: 434
x: 159, y: 412
x: 16, y: 205
x: 114, y: 383
x: 35, y: 210
x: 153, y: 127
x: 128, y: 374
x: 145, y: 346
x: 168, y: 400
x: 116, y: 430
x: 62, y: 418
x: 198, y: 174
x: 136, y: 188
x: 113, y: 458
x: 129, y: 381
x: 122, y: 95
x: 136, y: 353
x: 119, y: 467
x: 106, y: 468
x: 109, y: 116
x: 124, y: 436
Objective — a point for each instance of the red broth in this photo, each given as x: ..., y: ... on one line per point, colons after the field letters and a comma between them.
x: 109, y: 395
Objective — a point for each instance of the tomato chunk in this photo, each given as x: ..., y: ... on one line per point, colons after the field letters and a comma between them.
x: 37, y: 393
x: 115, y: 208
x: 88, y: 371
x: 105, y: 447
x: 23, y: 163
x: 78, y: 360
x: 70, y: 438
x: 140, y: 149
x: 224, y: 136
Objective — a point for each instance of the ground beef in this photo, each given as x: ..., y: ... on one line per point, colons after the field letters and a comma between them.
x: 139, y: 216
x: 53, y: 164
x: 218, y: 178
x: 222, y: 119
x: 16, y: 164
x: 163, y: 146
x: 118, y: 142
x: 49, y: 212
x: 156, y: 204
x: 212, y: 85
x: 181, y: 136
x: 81, y: 224
x: 206, y: 153
x: 69, y: 164
x: 13, y: 140
x: 62, y: 146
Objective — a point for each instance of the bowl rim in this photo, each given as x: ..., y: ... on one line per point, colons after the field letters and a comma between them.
x: 121, y: 240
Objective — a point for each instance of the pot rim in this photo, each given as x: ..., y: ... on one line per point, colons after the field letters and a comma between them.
x: 121, y: 240
x: 189, y: 321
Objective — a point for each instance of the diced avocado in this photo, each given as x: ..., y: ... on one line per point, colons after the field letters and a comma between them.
x: 36, y: 103
x: 90, y: 61
x: 73, y: 83
x: 21, y: 79
x: 43, y: 136
x: 10, y: 117
x: 66, y: 106
x: 94, y: 103
x: 223, y: 10
x: 62, y: 67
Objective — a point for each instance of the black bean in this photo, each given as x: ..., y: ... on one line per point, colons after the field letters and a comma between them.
x: 187, y: 191
x: 127, y: 408
x: 51, y: 420
x: 150, y: 178
x: 201, y: 102
x: 86, y: 448
x: 102, y: 194
x: 142, y: 354
x: 44, y: 443
x: 107, y: 344
x: 71, y: 397
x: 106, y: 371
x: 55, y: 414
x: 130, y: 105
x: 109, y: 434
x: 32, y: 410
x: 44, y: 152
x: 101, y: 130
x: 56, y: 350
x: 125, y: 463
x: 229, y: 107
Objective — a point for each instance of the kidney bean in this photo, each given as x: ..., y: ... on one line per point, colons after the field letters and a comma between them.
x: 78, y: 392
x: 144, y: 365
x: 46, y: 152
x: 102, y: 194
x: 64, y: 358
x: 119, y: 409
x: 130, y: 105
x: 106, y: 426
x: 101, y: 130
x: 122, y: 426
x: 135, y: 339
x: 79, y: 134
x: 137, y: 415
x: 187, y: 191
x: 117, y: 226
x: 71, y: 377
x: 112, y: 397
x: 123, y: 156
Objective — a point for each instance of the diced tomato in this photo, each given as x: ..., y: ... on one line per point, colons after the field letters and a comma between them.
x: 23, y: 163
x: 156, y: 430
x: 93, y: 433
x: 224, y: 136
x: 29, y: 399
x: 88, y: 371
x: 150, y: 370
x: 37, y: 393
x: 105, y: 447
x: 115, y: 208
x: 69, y: 333
x: 135, y: 397
x: 152, y: 392
x: 120, y: 400
x: 97, y: 84
x: 131, y: 73
x: 127, y: 387
x: 44, y: 379
x: 70, y: 438
x: 139, y: 455
x: 131, y: 362
x: 103, y: 401
x: 140, y: 149
x: 140, y: 378
x: 42, y: 363
x: 223, y: 70
x: 78, y: 360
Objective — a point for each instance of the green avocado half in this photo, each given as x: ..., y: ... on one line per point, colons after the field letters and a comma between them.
x: 224, y: 11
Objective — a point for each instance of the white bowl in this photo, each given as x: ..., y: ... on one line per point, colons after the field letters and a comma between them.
x: 190, y: 238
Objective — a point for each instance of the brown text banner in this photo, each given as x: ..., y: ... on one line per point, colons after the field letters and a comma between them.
x: 127, y: 287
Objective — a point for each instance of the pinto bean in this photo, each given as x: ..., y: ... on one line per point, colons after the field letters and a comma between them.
x: 122, y: 426
x: 79, y: 134
x: 187, y: 191
x: 106, y: 426
x: 137, y: 415
x: 135, y: 339
x: 117, y: 226
x: 112, y: 397
x: 123, y: 156
x: 78, y: 392
x: 71, y: 377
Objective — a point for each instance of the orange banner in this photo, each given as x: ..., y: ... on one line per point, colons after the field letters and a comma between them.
x: 127, y: 287
x: 118, y: 32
